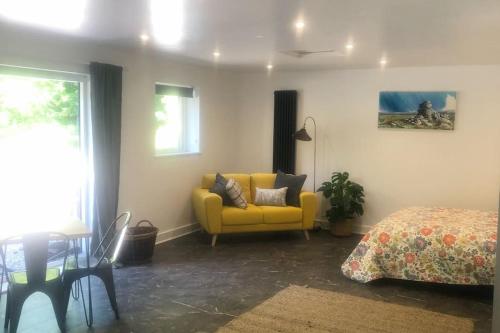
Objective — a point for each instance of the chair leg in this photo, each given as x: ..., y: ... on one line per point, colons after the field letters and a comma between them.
x: 56, y: 298
x: 214, y: 240
x: 306, y: 234
x: 7, y: 312
x: 15, y: 308
x: 106, y: 276
x: 66, y: 294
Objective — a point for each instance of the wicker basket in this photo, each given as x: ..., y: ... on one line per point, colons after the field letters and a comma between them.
x: 139, y: 243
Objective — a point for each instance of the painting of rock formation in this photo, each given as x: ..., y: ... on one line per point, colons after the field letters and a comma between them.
x: 417, y: 110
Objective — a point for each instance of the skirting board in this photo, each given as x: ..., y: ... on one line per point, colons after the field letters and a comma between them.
x: 177, y: 232
x: 356, y: 228
x: 187, y: 229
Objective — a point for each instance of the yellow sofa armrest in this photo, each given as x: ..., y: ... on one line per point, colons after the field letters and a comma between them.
x: 308, y: 205
x: 208, y: 210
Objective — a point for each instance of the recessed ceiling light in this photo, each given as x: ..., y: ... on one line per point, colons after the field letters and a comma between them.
x: 144, y: 37
x: 167, y: 18
x: 269, y: 66
x: 349, y: 46
x: 216, y: 54
x: 383, y: 62
x: 259, y: 36
x: 53, y: 14
x: 299, y: 24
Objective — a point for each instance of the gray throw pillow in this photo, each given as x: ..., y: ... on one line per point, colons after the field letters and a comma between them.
x: 270, y: 197
x: 294, y: 184
x: 219, y: 188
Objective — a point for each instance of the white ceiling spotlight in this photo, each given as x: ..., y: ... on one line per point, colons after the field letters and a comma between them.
x: 269, y: 67
x: 349, y: 46
x: 216, y: 54
x: 300, y: 24
x: 144, y: 37
x: 383, y: 62
x: 167, y: 19
x: 53, y: 14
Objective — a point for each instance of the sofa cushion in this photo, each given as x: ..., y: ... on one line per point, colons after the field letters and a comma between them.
x: 237, y: 216
x: 270, y: 197
x: 243, y: 179
x: 294, y: 184
x: 235, y: 192
x: 286, y: 214
x: 219, y: 188
x: 261, y: 180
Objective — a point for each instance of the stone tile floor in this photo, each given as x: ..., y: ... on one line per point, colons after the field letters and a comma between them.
x: 191, y: 287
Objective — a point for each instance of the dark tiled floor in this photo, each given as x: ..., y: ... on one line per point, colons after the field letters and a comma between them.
x: 191, y: 287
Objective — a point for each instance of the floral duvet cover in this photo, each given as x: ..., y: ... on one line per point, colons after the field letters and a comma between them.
x: 445, y: 245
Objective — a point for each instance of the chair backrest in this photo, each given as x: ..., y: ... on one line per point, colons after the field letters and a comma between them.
x: 113, y: 236
x: 35, y: 249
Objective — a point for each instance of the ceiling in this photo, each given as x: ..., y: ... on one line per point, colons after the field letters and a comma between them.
x: 255, y: 33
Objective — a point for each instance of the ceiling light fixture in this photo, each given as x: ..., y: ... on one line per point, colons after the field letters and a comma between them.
x: 167, y: 18
x: 216, y: 54
x: 53, y: 14
x: 299, y: 24
x: 383, y: 62
x: 349, y: 46
x: 144, y: 38
x: 269, y: 67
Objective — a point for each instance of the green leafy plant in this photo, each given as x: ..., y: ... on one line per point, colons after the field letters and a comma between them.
x: 346, y: 197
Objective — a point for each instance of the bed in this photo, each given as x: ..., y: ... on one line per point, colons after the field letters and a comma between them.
x: 444, y: 245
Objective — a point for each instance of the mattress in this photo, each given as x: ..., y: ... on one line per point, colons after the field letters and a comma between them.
x: 443, y: 245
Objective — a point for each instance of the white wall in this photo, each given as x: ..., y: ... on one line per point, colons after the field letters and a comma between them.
x: 398, y: 168
x: 155, y: 188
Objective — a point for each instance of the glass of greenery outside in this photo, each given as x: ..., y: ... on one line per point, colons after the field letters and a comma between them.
x: 41, y: 169
x: 346, y: 200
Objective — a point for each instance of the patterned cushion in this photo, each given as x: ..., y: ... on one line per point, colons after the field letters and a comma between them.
x: 235, y: 192
x: 219, y: 188
x: 270, y: 197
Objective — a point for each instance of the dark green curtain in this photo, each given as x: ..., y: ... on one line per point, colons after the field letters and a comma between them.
x: 106, y: 105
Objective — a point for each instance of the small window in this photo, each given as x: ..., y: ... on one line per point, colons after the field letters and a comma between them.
x: 177, y: 120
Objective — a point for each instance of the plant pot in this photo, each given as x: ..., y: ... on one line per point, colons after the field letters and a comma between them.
x: 341, y: 228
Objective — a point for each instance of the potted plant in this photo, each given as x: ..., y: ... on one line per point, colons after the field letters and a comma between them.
x: 346, y: 202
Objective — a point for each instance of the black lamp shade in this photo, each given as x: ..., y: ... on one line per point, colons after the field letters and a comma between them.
x: 302, y: 135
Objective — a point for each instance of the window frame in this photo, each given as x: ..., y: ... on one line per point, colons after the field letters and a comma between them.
x: 183, y: 151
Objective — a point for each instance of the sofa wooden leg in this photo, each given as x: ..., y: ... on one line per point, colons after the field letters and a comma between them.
x: 214, y: 240
x: 306, y: 233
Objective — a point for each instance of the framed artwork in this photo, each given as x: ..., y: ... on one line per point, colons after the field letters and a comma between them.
x: 417, y: 110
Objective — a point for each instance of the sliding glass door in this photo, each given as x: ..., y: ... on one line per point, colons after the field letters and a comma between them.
x: 43, y: 172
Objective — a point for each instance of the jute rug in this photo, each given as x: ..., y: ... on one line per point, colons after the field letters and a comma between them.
x: 299, y: 309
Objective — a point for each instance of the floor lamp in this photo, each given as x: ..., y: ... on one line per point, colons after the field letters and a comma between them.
x: 302, y: 135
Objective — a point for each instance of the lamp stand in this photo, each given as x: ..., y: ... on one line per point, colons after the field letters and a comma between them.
x: 314, y: 168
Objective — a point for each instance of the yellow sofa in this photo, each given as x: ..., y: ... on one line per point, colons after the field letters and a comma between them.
x: 218, y: 219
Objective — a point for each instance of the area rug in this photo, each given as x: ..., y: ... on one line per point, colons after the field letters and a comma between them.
x: 300, y: 309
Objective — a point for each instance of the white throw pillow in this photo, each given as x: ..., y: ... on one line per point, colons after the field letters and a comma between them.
x: 270, y: 196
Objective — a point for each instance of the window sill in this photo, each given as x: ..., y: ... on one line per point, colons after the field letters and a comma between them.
x: 176, y: 154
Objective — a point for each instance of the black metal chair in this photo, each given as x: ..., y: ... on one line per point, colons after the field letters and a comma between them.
x: 36, y: 275
x: 103, y: 269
